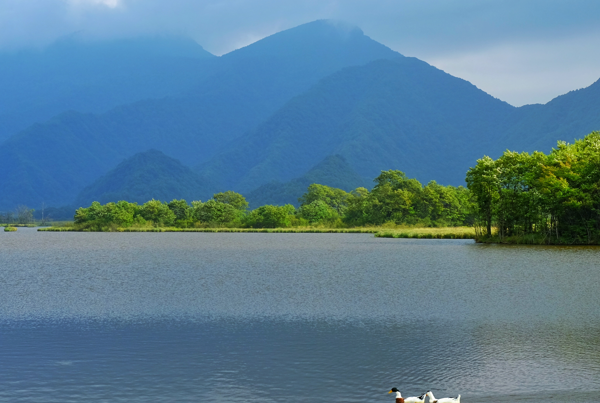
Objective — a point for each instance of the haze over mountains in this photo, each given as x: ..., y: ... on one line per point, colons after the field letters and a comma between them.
x: 268, y: 112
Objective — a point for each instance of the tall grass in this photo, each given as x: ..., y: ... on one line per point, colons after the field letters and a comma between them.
x: 428, y: 233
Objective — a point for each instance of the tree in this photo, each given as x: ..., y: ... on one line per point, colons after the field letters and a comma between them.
x: 182, y: 211
x: 333, y: 197
x: 271, y: 216
x: 158, y: 212
x: 214, y: 212
x: 234, y: 199
x: 317, y: 211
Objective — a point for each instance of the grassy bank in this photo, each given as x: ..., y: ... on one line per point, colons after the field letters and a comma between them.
x: 382, y: 232
x: 428, y: 233
x: 534, y: 239
x: 267, y: 230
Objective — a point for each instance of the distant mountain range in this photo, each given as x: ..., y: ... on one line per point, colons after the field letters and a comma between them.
x: 260, y: 117
x: 333, y: 171
x: 145, y: 176
x: 75, y: 74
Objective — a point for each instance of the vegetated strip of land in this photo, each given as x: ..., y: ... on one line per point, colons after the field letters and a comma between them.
x: 265, y: 230
x: 520, y: 198
x: 417, y: 233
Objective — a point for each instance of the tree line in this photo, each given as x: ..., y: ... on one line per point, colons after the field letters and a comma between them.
x: 394, y: 199
x: 539, y: 198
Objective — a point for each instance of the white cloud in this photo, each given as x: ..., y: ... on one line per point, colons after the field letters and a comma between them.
x: 519, y: 51
x: 528, y: 72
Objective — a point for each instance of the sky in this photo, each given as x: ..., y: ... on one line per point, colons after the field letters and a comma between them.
x: 520, y: 51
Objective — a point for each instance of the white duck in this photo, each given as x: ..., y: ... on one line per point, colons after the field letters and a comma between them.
x: 432, y: 399
x: 415, y: 399
x: 412, y: 399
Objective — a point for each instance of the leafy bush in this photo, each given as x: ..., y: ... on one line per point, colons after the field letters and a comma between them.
x: 271, y: 216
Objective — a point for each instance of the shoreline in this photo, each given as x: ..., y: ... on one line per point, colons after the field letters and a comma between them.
x: 415, y: 233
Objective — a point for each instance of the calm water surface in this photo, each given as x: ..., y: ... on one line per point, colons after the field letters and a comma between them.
x: 174, y: 317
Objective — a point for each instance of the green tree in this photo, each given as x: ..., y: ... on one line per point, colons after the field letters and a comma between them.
x: 182, y: 211
x: 334, y: 198
x: 234, y: 199
x: 269, y: 216
x: 317, y: 211
x: 158, y: 212
x: 216, y: 213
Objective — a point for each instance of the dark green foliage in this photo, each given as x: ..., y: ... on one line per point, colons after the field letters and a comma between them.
x: 540, y: 198
x: 183, y: 213
x: 217, y: 213
x: 398, y: 199
x: 395, y: 198
x: 158, y: 212
x: 271, y: 216
x: 334, y: 198
x: 317, y: 211
x: 333, y: 171
x: 145, y: 176
x: 99, y: 217
x: 235, y: 200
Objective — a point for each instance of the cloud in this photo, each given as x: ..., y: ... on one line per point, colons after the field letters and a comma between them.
x: 464, y: 37
x: 528, y: 72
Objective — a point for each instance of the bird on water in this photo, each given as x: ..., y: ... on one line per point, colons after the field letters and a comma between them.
x: 399, y: 398
x: 412, y: 399
x: 432, y: 399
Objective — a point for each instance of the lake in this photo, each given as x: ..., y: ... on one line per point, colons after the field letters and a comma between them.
x: 205, y: 317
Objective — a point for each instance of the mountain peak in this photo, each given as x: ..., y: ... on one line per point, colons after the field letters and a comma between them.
x: 145, y: 176
x: 320, y: 36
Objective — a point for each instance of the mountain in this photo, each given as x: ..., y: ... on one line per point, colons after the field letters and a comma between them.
x: 94, y: 76
x: 389, y: 114
x: 53, y: 161
x: 145, y: 176
x: 333, y: 171
x: 567, y: 117
x: 273, y: 110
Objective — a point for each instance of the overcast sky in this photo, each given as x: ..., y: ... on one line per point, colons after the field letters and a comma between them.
x: 521, y: 51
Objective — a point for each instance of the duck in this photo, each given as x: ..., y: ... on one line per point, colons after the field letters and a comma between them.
x: 398, y: 395
x: 412, y: 399
x: 432, y: 399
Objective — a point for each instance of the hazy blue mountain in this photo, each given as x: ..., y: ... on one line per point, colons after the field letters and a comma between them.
x: 272, y: 110
x: 53, y: 161
x: 145, y: 176
x: 333, y: 171
x: 88, y: 76
x: 389, y: 114
x: 568, y: 117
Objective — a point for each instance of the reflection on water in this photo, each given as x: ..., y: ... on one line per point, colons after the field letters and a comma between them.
x: 293, y: 317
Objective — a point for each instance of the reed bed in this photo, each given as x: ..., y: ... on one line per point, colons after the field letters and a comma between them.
x: 261, y: 230
x: 381, y: 232
x: 428, y: 233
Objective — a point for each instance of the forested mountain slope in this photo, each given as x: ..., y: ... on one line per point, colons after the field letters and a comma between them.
x: 145, y: 176
x: 538, y: 127
x: 94, y: 76
x: 389, y: 114
x: 53, y: 161
x: 333, y: 171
